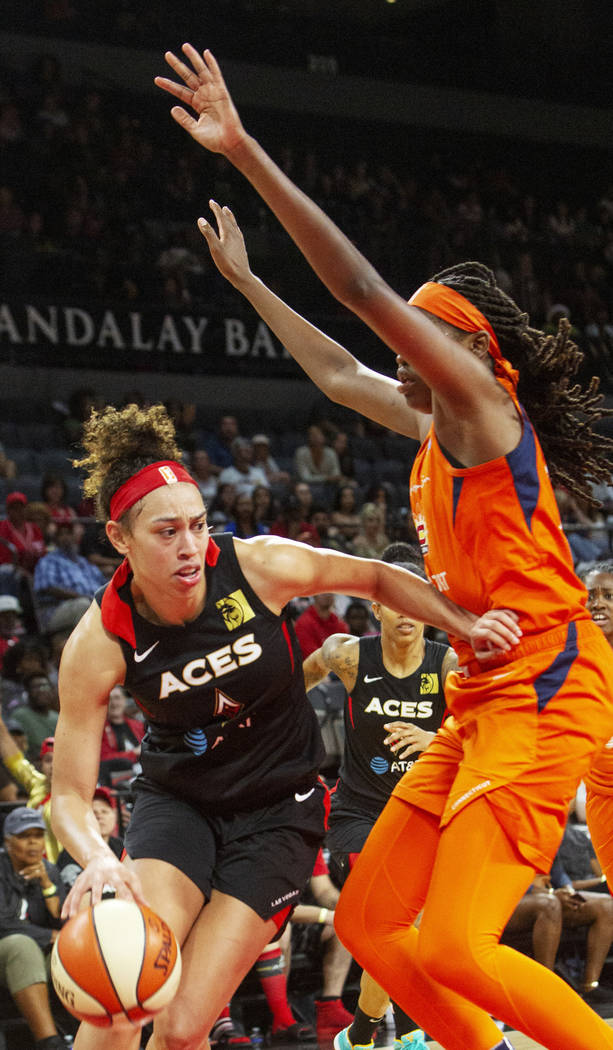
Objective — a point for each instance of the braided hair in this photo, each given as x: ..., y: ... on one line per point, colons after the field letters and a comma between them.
x: 119, y: 443
x: 563, y: 413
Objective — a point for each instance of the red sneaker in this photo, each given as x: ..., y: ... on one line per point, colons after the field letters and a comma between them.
x: 331, y: 1016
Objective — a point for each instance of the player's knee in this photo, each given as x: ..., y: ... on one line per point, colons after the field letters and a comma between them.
x: 182, y: 1029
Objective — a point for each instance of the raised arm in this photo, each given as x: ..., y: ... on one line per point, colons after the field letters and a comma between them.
x: 332, y: 368
x: 91, y: 664
x: 349, y: 276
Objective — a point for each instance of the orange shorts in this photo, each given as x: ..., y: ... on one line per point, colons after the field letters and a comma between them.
x: 524, y: 734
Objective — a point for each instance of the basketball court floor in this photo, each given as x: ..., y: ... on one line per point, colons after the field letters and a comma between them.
x: 517, y: 1040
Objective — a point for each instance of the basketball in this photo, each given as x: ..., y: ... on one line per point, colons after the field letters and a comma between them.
x: 117, y: 961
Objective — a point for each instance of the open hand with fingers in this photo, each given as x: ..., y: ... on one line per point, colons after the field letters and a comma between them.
x: 227, y: 246
x: 216, y: 124
x: 104, y: 872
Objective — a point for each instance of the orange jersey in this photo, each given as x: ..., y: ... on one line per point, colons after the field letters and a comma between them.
x: 491, y: 536
x: 599, y: 780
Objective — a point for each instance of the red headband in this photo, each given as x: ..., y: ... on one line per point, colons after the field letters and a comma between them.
x: 451, y: 306
x: 165, y: 472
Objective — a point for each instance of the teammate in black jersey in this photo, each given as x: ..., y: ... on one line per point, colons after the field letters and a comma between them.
x: 395, y: 703
x: 229, y: 814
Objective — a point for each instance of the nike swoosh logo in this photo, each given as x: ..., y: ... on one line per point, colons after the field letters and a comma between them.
x: 376, y: 678
x: 301, y: 798
x: 138, y: 657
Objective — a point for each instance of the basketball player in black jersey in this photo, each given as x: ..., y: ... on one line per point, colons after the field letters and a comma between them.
x: 395, y: 703
x: 229, y: 813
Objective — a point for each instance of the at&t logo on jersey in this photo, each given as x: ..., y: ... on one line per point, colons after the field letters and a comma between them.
x: 379, y: 765
x: 235, y: 610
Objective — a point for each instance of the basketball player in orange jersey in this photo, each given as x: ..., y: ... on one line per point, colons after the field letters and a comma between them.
x: 395, y: 703
x: 484, y: 807
x: 598, y: 579
x: 229, y: 812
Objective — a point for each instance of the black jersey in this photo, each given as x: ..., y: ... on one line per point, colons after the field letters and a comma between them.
x: 369, y: 770
x: 229, y: 725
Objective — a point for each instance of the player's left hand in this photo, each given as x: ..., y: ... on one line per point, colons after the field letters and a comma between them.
x: 494, y: 633
x: 406, y: 736
x: 217, y: 125
x: 227, y: 247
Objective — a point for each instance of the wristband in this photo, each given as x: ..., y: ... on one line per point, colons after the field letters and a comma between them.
x: 51, y: 891
x: 323, y: 915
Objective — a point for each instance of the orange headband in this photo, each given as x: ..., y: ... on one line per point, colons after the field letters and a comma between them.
x: 451, y: 306
x: 165, y: 472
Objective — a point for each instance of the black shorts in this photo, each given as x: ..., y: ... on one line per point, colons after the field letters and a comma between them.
x: 348, y: 832
x: 263, y: 857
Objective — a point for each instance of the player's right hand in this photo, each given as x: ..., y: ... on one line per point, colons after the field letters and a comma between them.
x: 103, y: 873
x: 217, y: 125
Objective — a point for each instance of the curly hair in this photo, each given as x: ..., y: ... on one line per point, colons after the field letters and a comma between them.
x: 562, y: 411
x: 119, y: 443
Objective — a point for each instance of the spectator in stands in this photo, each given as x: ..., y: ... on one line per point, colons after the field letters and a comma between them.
x: 80, y: 403
x: 35, y: 781
x: 244, y: 523
x: 304, y: 495
x: 243, y: 474
x: 203, y: 473
x: 54, y: 494
x: 8, y: 468
x: 340, y: 444
x: 38, y: 716
x: 28, y: 656
x: 221, y: 510
x: 358, y: 619
x: 316, y: 909
x: 292, y: 524
x: 381, y: 493
x: 345, y: 516
x: 183, y: 415
x: 320, y: 519
x: 587, y: 544
x: 60, y: 626
x: 39, y: 514
x: 21, y: 541
x: 540, y: 911
x: 105, y: 811
x: 318, y: 622
x: 262, y: 458
x: 316, y: 461
x: 11, y: 627
x: 64, y: 573
x: 577, y: 887
x: 371, y: 540
x: 96, y: 548
x: 122, y: 736
x: 31, y: 897
x: 263, y: 506
x: 219, y: 445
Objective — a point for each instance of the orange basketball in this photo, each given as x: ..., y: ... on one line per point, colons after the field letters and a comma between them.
x: 117, y: 961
